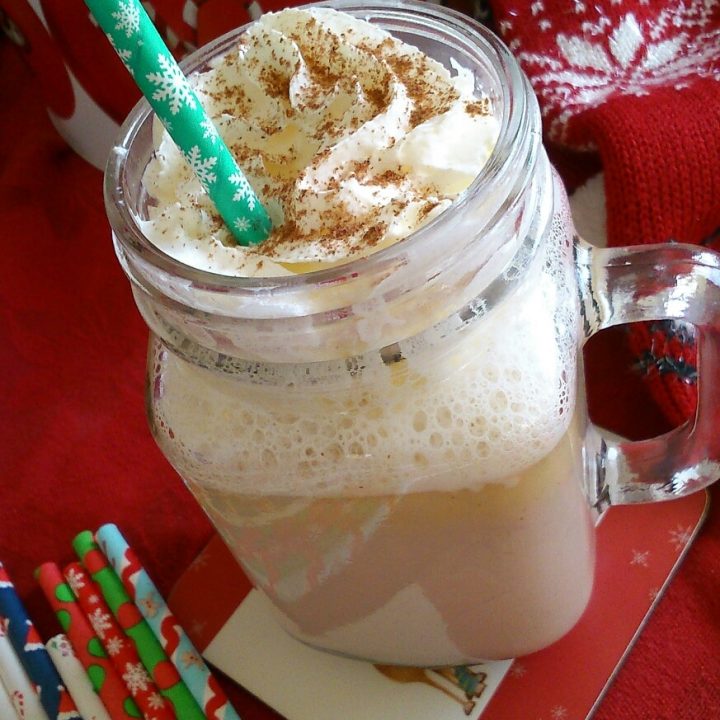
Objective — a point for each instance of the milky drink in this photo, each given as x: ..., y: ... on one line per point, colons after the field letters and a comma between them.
x: 432, y: 514
x: 377, y: 405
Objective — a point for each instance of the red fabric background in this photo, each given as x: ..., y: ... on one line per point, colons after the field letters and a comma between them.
x: 75, y: 451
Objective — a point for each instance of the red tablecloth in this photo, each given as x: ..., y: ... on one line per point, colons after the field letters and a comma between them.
x: 75, y: 450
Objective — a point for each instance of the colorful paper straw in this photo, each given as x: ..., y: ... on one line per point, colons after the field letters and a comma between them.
x: 88, y: 648
x: 162, y: 82
x: 153, y: 657
x: 7, y: 709
x: 75, y: 678
x: 136, y: 581
x: 32, y: 653
x: 118, y: 646
x: 15, y: 680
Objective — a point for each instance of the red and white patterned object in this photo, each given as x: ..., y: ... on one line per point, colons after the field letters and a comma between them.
x: 638, y: 82
x: 580, y: 54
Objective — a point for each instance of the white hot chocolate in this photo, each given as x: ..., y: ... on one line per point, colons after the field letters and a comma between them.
x: 423, y: 511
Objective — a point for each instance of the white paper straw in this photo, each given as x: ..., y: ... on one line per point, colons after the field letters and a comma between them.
x: 75, y: 678
x: 16, y: 682
x: 7, y: 709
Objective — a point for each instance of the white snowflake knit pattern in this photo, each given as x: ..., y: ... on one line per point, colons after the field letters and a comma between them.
x: 611, y: 55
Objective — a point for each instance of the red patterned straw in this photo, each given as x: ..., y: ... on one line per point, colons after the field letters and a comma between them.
x: 119, y: 647
x: 87, y: 645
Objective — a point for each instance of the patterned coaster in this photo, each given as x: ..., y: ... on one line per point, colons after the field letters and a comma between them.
x: 639, y: 548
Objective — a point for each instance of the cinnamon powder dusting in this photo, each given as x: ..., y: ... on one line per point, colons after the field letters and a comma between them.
x: 339, y: 229
x: 479, y: 108
x: 320, y: 115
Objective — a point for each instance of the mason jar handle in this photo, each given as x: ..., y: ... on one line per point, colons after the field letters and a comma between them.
x: 655, y: 282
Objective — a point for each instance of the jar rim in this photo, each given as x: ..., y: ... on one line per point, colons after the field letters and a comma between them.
x: 515, y: 123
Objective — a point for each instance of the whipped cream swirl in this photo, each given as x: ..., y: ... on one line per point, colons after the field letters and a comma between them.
x: 351, y: 139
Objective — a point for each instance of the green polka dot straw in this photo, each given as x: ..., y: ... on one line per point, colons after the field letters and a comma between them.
x: 162, y: 82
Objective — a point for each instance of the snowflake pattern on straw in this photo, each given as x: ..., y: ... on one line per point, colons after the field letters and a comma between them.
x: 201, y: 166
x: 209, y: 130
x: 136, y: 677
x: 128, y: 18
x: 100, y: 622
x: 156, y: 701
x: 123, y: 53
x: 75, y: 581
x: 243, y: 192
x: 172, y: 86
x: 172, y: 97
x: 114, y: 646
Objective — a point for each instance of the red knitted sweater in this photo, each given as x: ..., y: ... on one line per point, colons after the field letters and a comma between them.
x: 638, y: 84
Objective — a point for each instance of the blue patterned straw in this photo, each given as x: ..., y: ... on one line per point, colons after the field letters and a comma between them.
x: 26, y: 642
x: 162, y: 82
x: 193, y: 670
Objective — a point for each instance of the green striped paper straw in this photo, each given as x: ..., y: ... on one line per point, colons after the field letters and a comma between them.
x: 144, y: 54
x: 153, y: 657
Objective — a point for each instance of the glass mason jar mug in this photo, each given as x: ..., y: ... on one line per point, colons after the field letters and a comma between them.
x: 396, y: 450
